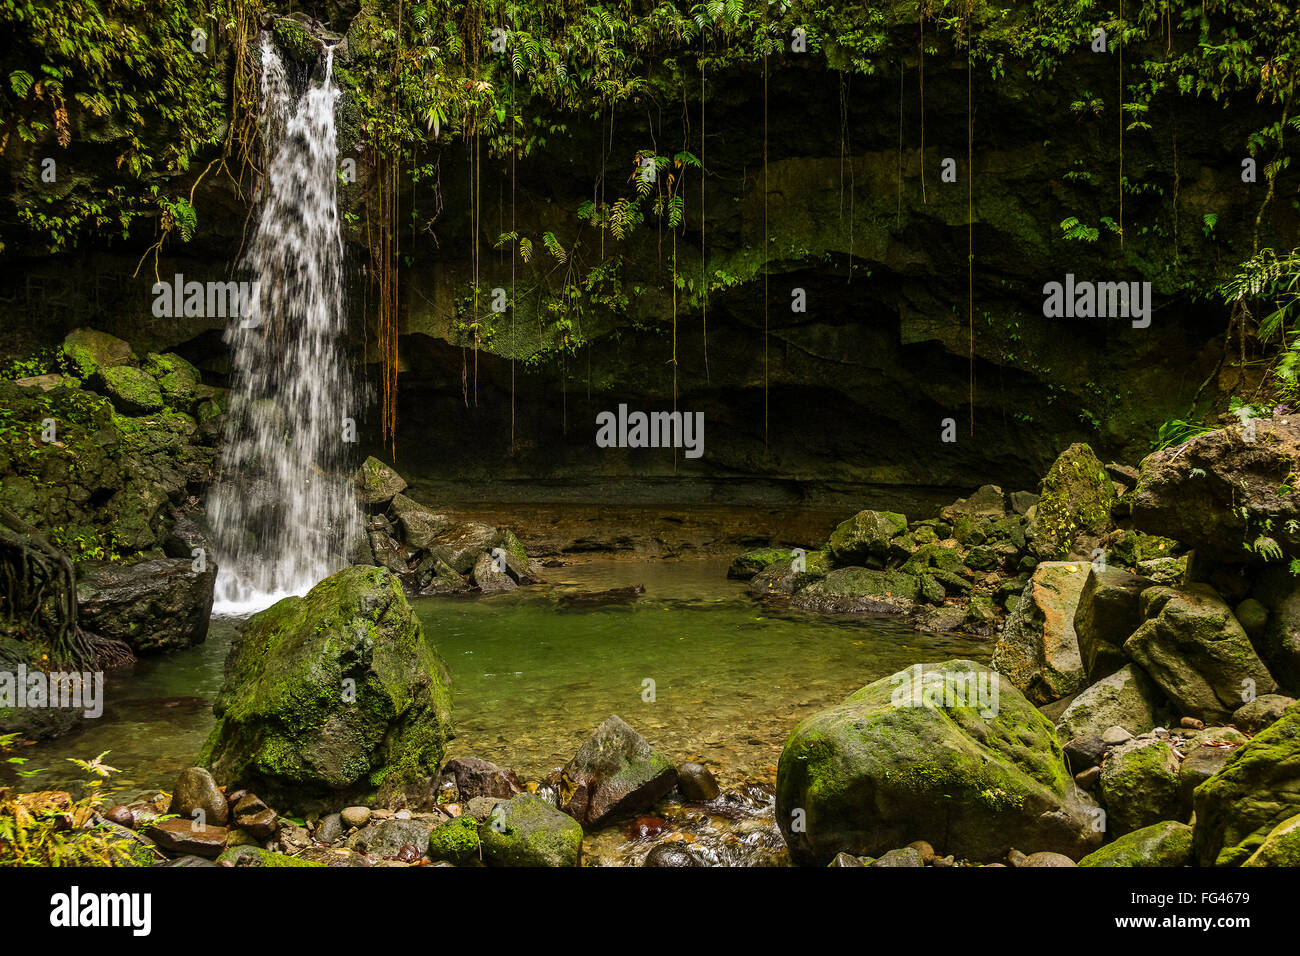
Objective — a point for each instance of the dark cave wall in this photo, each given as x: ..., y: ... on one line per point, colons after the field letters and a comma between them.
x: 859, y: 384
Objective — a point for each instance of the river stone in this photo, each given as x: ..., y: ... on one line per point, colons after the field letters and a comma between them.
x: 480, y: 778
x: 1167, y: 843
x: 1281, y: 847
x: 376, y: 483
x: 1261, y: 712
x: 869, y: 775
x: 385, y: 838
x: 1238, y: 807
x: 283, y: 726
x: 157, y: 605
x: 331, y: 829
x: 1139, y: 784
x: 1196, y: 652
x: 355, y: 816
x: 673, y: 855
x: 86, y: 351
x: 196, y: 790
x: 860, y: 590
x: 527, y: 831
x: 254, y: 817
x: 1044, y: 859
x: 1038, y: 650
x: 1074, y: 501
x: 187, y: 836
x: 490, y: 579
x: 696, y: 783
x: 1126, y: 698
x: 1109, y: 611
x: 866, y: 535
x: 420, y: 525
x: 615, y: 771
x: 905, y: 857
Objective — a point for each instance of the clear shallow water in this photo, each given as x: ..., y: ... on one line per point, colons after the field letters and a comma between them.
x: 535, y: 670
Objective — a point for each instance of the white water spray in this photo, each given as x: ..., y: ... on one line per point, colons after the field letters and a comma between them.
x: 283, y: 511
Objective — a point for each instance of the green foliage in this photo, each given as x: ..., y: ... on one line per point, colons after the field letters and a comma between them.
x: 123, y: 70
x: 45, y: 829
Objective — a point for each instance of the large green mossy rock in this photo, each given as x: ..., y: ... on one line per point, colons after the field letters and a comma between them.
x: 132, y: 391
x: 1168, y: 843
x: 1074, y: 501
x: 177, y: 379
x: 527, y: 831
x: 331, y: 697
x: 1257, y: 789
x: 1197, y: 653
x: 1139, y: 784
x: 1281, y: 847
x: 866, y: 535
x: 86, y: 351
x: 948, y: 753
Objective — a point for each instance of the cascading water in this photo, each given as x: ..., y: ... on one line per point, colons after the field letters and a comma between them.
x: 283, y: 510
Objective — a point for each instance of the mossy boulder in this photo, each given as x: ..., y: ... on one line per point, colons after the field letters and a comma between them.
x: 1281, y: 847
x: 1197, y: 652
x: 331, y: 696
x: 1139, y: 784
x: 376, y: 483
x: 950, y: 753
x: 866, y: 535
x: 1074, y: 502
x: 1038, y: 650
x: 615, y: 771
x: 783, y: 577
x: 1168, y: 843
x: 177, y: 379
x: 132, y: 391
x: 455, y: 841
x: 527, y: 831
x: 1257, y: 789
x: 752, y: 562
x: 85, y: 351
x: 856, y: 590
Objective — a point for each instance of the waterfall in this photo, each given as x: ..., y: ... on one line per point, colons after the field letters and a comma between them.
x: 282, y: 512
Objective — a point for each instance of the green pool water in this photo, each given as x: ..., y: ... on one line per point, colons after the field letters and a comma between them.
x: 535, y: 670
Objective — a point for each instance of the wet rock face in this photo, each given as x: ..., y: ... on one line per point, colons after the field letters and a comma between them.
x: 1197, y: 492
x: 157, y: 605
x: 908, y: 757
x: 329, y: 696
x: 615, y: 771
